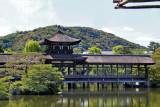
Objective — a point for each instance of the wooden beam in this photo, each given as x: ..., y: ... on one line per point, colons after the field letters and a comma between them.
x: 137, y: 7
x: 118, y: 1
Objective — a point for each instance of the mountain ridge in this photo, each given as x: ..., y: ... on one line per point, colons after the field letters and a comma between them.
x: 89, y: 37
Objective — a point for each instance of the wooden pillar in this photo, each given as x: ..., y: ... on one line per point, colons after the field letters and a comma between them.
x: 62, y: 68
x: 83, y: 85
x: 69, y: 85
x: 74, y: 68
x: 132, y: 83
x: 75, y: 85
x: 131, y: 69
x: 69, y: 70
x: 103, y: 83
x: 83, y: 67
x: 138, y: 69
x: 118, y: 83
x: 111, y: 69
x: 88, y: 70
x: 97, y: 69
x: 103, y: 70
x: 62, y: 85
x: 112, y: 86
x: 88, y: 84
x: 125, y: 68
x: 147, y: 76
x: 117, y: 69
x: 97, y: 85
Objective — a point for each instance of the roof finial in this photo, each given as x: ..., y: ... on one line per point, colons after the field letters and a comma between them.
x: 60, y: 32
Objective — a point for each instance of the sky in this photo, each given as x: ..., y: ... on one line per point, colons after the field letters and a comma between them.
x: 136, y: 25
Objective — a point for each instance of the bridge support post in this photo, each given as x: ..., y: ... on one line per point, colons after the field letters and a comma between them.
x: 118, y: 83
x: 132, y: 83
x: 98, y: 85
x: 62, y: 85
x: 112, y: 85
x: 88, y: 85
x: 74, y: 85
x: 83, y: 85
x: 69, y: 85
x: 102, y: 84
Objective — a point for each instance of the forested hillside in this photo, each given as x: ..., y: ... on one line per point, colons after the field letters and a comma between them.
x: 89, y: 36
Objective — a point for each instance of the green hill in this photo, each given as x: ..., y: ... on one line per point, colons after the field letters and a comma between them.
x: 89, y: 36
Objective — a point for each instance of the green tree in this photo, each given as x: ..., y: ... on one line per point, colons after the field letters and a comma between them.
x: 94, y: 50
x: 77, y: 51
x: 40, y: 79
x: 138, y: 52
x: 1, y: 50
x: 153, y: 46
x: 32, y: 46
x: 125, y: 50
x: 20, y: 63
x: 9, y: 51
x: 5, y: 84
x: 154, y: 69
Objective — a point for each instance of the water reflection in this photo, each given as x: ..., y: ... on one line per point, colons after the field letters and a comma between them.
x: 88, y: 98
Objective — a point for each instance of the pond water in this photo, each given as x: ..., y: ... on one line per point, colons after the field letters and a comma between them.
x: 126, y: 97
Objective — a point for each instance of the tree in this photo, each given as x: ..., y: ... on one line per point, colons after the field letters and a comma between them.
x: 122, y: 50
x: 21, y: 62
x: 1, y: 50
x: 138, y: 52
x: 32, y: 46
x: 94, y: 50
x: 5, y: 84
x: 41, y: 79
x: 154, y: 69
x: 9, y: 51
x: 77, y: 51
x: 153, y: 46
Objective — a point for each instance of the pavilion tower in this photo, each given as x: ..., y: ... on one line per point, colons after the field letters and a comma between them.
x: 59, y: 44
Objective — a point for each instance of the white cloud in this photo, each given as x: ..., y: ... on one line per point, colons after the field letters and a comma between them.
x: 106, y: 29
x: 147, y: 39
x: 27, y: 14
x: 4, y: 30
x: 126, y: 28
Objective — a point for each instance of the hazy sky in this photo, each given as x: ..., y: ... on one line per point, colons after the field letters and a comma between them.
x: 140, y: 26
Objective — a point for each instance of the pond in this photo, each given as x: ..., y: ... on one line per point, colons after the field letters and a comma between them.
x: 93, y: 97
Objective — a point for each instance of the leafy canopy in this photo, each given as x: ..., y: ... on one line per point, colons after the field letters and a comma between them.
x: 122, y: 49
x: 9, y: 51
x: 153, y: 46
x: 41, y: 78
x: 20, y: 63
x: 1, y: 50
x: 32, y: 46
x: 155, y: 69
x: 94, y: 50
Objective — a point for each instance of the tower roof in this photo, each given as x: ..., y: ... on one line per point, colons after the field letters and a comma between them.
x: 59, y: 38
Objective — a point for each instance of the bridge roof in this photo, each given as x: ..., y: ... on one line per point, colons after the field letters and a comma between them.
x: 119, y: 59
x: 4, y: 58
x: 93, y: 59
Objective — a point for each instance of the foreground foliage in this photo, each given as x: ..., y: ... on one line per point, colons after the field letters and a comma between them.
x: 5, y: 84
x: 40, y: 79
x: 155, y: 69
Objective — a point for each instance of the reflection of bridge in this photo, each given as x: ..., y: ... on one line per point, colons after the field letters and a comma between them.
x: 105, y: 98
x: 132, y: 79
